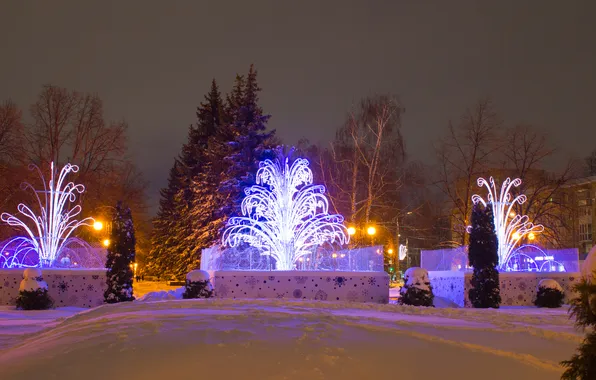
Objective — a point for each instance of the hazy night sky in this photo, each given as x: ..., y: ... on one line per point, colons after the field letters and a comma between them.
x: 152, y: 64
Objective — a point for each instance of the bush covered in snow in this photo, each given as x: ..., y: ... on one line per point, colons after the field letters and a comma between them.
x: 33, y: 292
x: 582, y: 366
x: 484, y: 258
x: 198, y: 285
x: 550, y: 294
x: 121, y: 254
x: 417, y: 290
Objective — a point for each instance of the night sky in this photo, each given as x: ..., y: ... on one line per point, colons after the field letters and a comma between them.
x: 152, y: 64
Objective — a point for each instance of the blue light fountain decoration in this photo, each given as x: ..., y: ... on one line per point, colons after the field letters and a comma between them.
x: 49, y: 241
x: 284, y: 216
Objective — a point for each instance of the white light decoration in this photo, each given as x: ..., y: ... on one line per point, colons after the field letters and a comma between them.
x: 50, y: 229
x: 403, y: 251
x: 285, y: 216
x: 511, y: 228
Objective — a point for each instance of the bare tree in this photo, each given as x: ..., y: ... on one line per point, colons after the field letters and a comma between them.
x: 590, y: 164
x: 464, y: 155
x: 364, y: 165
x: 69, y: 126
x: 526, y: 152
x: 11, y: 149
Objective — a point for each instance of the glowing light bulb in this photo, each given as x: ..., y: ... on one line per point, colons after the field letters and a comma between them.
x: 334, y: 255
x: 106, y: 243
x: 515, y: 236
x: 531, y: 236
x: 390, y: 251
x: 512, y: 214
x: 97, y: 225
x: 371, y: 230
x: 351, y: 231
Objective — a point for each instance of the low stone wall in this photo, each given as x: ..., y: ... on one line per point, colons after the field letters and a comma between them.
x: 369, y: 287
x: 67, y: 287
x: 517, y: 288
x: 449, y: 285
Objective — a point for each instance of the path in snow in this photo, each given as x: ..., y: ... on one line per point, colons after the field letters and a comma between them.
x: 271, y: 339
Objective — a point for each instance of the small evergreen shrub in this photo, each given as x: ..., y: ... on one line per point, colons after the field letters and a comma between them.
x: 550, y: 294
x: 197, y: 289
x: 417, y: 290
x: 34, y: 300
x: 33, y: 292
x: 197, y: 285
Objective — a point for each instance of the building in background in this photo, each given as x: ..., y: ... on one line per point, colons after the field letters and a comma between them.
x: 580, y: 198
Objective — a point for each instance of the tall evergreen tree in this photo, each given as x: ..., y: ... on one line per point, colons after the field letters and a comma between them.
x: 121, y: 254
x: 250, y: 143
x: 176, y: 251
x: 163, y: 241
x: 483, y: 257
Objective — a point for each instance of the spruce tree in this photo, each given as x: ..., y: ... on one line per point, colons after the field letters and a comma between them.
x: 582, y: 366
x: 176, y: 250
x: 483, y: 257
x: 163, y: 241
x: 250, y: 143
x: 121, y: 254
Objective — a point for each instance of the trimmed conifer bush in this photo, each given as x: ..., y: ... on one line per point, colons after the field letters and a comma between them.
x: 197, y: 285
x: 33, y: 292
x: 550, y: 294
x: 121, y: 254
x: 417, y: 290
x: 484, y: 258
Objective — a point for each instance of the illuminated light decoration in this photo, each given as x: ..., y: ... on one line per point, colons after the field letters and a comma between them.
x: 403, y: 251
x: 371, y: 230
x: 97, y: 226
x: 18, y: 252
x: 510, y: 229
x: 285, y: 216
x: 49, y: 230
x: 106, y: 242
x: 351, y: 231
x: 521, y: 260
x: 390, y: 251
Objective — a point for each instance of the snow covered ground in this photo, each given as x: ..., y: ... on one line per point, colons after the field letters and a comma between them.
x: 276, y: 339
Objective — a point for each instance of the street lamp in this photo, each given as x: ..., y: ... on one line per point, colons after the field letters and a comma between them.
x: 97, y: 225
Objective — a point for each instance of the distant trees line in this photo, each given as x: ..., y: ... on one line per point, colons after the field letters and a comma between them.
x: 366, y: 168
x: 369, y: 177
